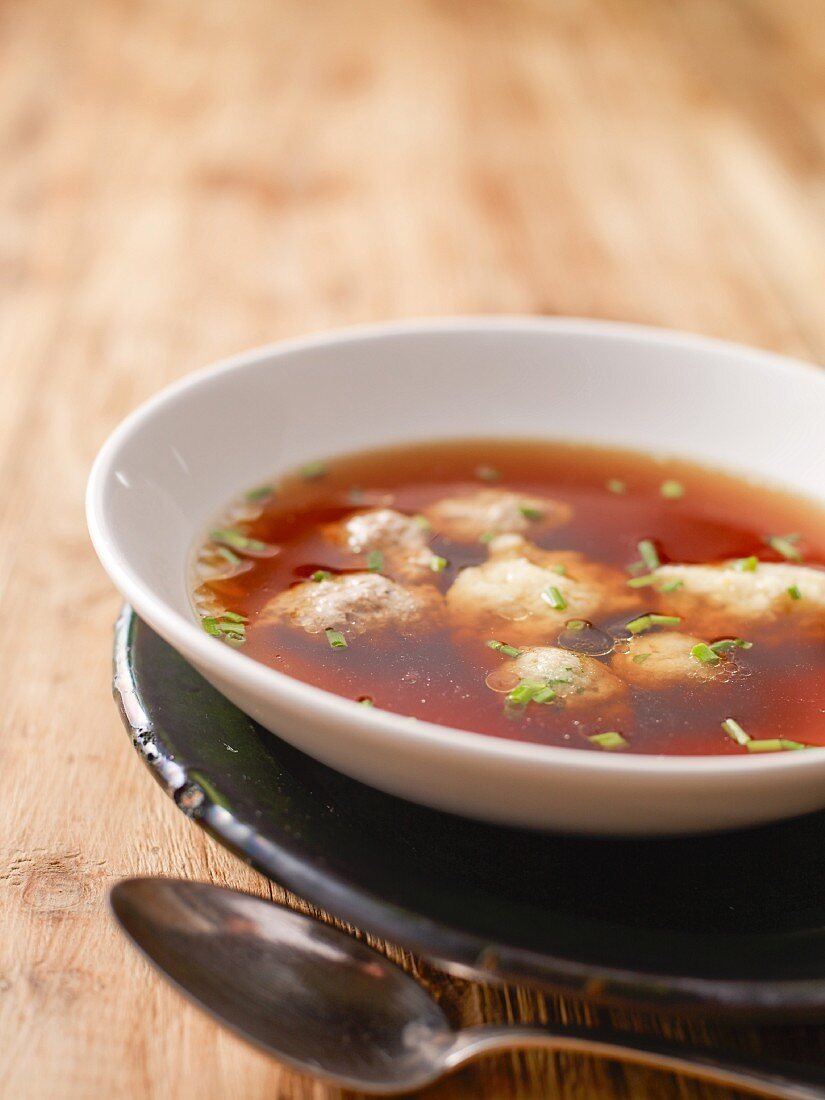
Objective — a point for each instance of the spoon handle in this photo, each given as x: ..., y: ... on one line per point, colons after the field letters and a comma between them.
x: 782, y: 1082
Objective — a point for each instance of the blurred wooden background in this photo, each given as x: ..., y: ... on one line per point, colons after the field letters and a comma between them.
x: 184, y: 179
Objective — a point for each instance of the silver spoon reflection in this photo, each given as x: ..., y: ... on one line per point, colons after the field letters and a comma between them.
x: 326, y: 1004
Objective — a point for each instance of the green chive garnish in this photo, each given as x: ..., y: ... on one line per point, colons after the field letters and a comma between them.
x: 231, y: 536
x: 794, y: 592
x: 335, y: 638
x: 422, y: 522
x: 616, y: 486
x: 366, y: 701
x: 724, y: 644
x: 313, y: 470
x: 640, y: 658
x: 774, y: 744
x: 672, y: 490
x: 671, y: 586
x: 784, y: 545
x: 560, y: 569
x: 552, y: 596
x: 228, y: 555
x: 576, y: 624
x: 487, y: 473
x: 746, y: 565
x: 734, y: 730
x: 261, y: 493
x: 609, y: 740
x: 488, y: 536
x: 642, y: 582
x: 530, y: 513
x: 503, y: 647
x: 702, y: 652
x: 321, y: 575
x: 649, y: 554
x: 375, y: 561
x: 437, y: 564
x: 645, y: 622
x: 531, y: 691
x: 546, y: 695
x: 229, y: 625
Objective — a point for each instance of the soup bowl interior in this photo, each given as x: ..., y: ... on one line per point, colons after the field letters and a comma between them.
x: 168, y: 470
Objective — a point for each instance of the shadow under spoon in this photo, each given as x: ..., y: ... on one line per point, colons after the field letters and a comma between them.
x: 326, y: 1004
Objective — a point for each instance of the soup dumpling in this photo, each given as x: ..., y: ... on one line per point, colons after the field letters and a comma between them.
x: 402, y: 540
x: 724, y: 599
x: 533, y: 591
x: 468, y: 517
x: 357, y: 603
x: 659, y: 660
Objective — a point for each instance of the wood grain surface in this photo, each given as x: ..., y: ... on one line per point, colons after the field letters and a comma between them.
x: 186, y: 178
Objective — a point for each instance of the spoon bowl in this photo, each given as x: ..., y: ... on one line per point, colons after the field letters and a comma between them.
x: 325, y: 1003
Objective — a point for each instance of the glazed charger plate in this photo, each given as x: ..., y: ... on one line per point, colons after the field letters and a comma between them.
x: 167, y: 471
x: 729, y: 922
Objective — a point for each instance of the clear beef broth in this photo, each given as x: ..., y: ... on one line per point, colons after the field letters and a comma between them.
x: 775, y: 689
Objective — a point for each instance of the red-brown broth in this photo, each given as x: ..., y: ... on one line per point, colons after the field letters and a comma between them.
x: 779, y: 690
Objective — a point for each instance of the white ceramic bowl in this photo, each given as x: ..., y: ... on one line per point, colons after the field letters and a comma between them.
x: 172, y: 465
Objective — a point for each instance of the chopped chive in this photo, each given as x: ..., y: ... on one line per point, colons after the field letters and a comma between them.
x: 261, y: 493
x: 367, y: 702
x: 746, y: 565
x: 236, y: 539
x: 503, y: 647
x: 229, y: 625
x: 640, y: 658
x: 335, y: 638
x: 665, y: 620
x: 734, y: 730
x: 576, y: 624
x: 530, y: 513
x: 671, y: 586
x: 375, y: 561
x: 552, y: 596
x: 639, y: 625
x: 774, y: 744
x: 438, y: 564
x: 724, y: 644
x: 546, y: 695
x: 642, y: 582
x: 228, y: 555
x: 784, y: 545
x: 636, y: 567
x: 649, y: 554
x: 609, y: 740
x: 422, y: 522
x: 702, y: 652
x: 488, y: 536
x: 487, y: 473
x: 672, y: 490
x: 321, y: 575
x: 614, y: 485
x: 560, y: 569
x: 313, y: 470
x: 794, y: 592
x: 525, y: 691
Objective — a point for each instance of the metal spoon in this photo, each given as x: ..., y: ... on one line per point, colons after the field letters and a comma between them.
x: 328, y: 1005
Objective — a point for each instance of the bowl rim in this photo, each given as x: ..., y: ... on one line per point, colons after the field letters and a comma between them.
x: 252, y: 675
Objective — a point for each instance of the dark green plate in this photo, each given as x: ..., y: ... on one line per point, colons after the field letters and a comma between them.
x: 734, y: 921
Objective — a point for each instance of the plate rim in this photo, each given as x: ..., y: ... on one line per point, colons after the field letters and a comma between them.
x: 461, y: 953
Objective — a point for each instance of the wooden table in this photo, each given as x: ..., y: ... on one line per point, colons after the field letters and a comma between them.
x: 185, y: 179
